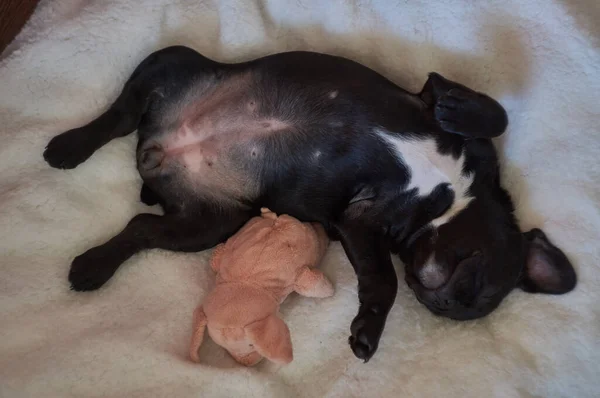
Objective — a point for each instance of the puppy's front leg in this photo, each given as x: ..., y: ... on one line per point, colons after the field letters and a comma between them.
x: 460, y: 110
x: 369, y: 255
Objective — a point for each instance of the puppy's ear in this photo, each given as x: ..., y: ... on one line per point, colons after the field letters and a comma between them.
x: 547, y: 269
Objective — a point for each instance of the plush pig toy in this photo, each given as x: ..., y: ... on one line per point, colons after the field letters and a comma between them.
x: 257, y: 268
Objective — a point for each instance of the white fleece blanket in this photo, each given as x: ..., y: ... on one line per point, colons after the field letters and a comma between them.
x: 540, y: 58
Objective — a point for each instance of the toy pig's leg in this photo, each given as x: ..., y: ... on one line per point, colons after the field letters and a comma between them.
x: 313, y: 283
x: 271, y: 339
x: 198, y: 333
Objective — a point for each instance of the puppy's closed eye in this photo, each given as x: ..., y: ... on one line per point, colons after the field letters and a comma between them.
x: 467, y: 255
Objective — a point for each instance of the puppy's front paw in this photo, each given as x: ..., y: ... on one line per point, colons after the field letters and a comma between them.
x: 471, y: 114
x: 91, y: 270
x: 68, y: 150
x: 366, y: 331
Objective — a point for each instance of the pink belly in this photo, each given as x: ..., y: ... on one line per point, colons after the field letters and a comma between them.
x: 203, y: 152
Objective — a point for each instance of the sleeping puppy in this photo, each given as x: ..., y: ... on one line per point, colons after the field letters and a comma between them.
x: 324, y: 139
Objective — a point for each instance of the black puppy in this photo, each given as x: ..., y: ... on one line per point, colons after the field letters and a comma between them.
x: 325, y: 139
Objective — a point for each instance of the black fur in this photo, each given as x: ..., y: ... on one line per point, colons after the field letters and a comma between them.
x: 357, y: 188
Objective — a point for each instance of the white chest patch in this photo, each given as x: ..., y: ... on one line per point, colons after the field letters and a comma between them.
x: 429, y: 168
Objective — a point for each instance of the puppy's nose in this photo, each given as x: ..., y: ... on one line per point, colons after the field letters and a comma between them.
x: 151, y: 158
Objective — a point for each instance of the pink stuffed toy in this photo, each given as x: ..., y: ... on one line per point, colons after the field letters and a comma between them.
x: 257, y: 269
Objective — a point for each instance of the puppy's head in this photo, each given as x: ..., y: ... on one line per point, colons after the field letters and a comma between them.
x: 463, y: 269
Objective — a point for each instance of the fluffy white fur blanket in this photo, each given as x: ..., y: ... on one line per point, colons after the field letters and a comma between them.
x: 540, y: 58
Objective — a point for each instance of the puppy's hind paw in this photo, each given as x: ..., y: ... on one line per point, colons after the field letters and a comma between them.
x: 68, y: 150
x: 91, y: 270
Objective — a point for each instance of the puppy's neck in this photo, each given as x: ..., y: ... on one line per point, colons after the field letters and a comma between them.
x: 428, y: 167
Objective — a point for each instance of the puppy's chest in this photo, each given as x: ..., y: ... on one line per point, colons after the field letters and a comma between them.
x: 428, y: 167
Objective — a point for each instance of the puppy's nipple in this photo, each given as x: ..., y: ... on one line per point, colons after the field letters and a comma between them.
x: 152, y: 158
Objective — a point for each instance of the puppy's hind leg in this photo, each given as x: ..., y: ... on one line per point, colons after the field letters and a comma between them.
x: 73, y: 147
x: 192, y: 231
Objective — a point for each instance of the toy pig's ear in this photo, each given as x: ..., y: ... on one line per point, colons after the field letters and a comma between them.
x: 197, y: 333
x: 271, y: 339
